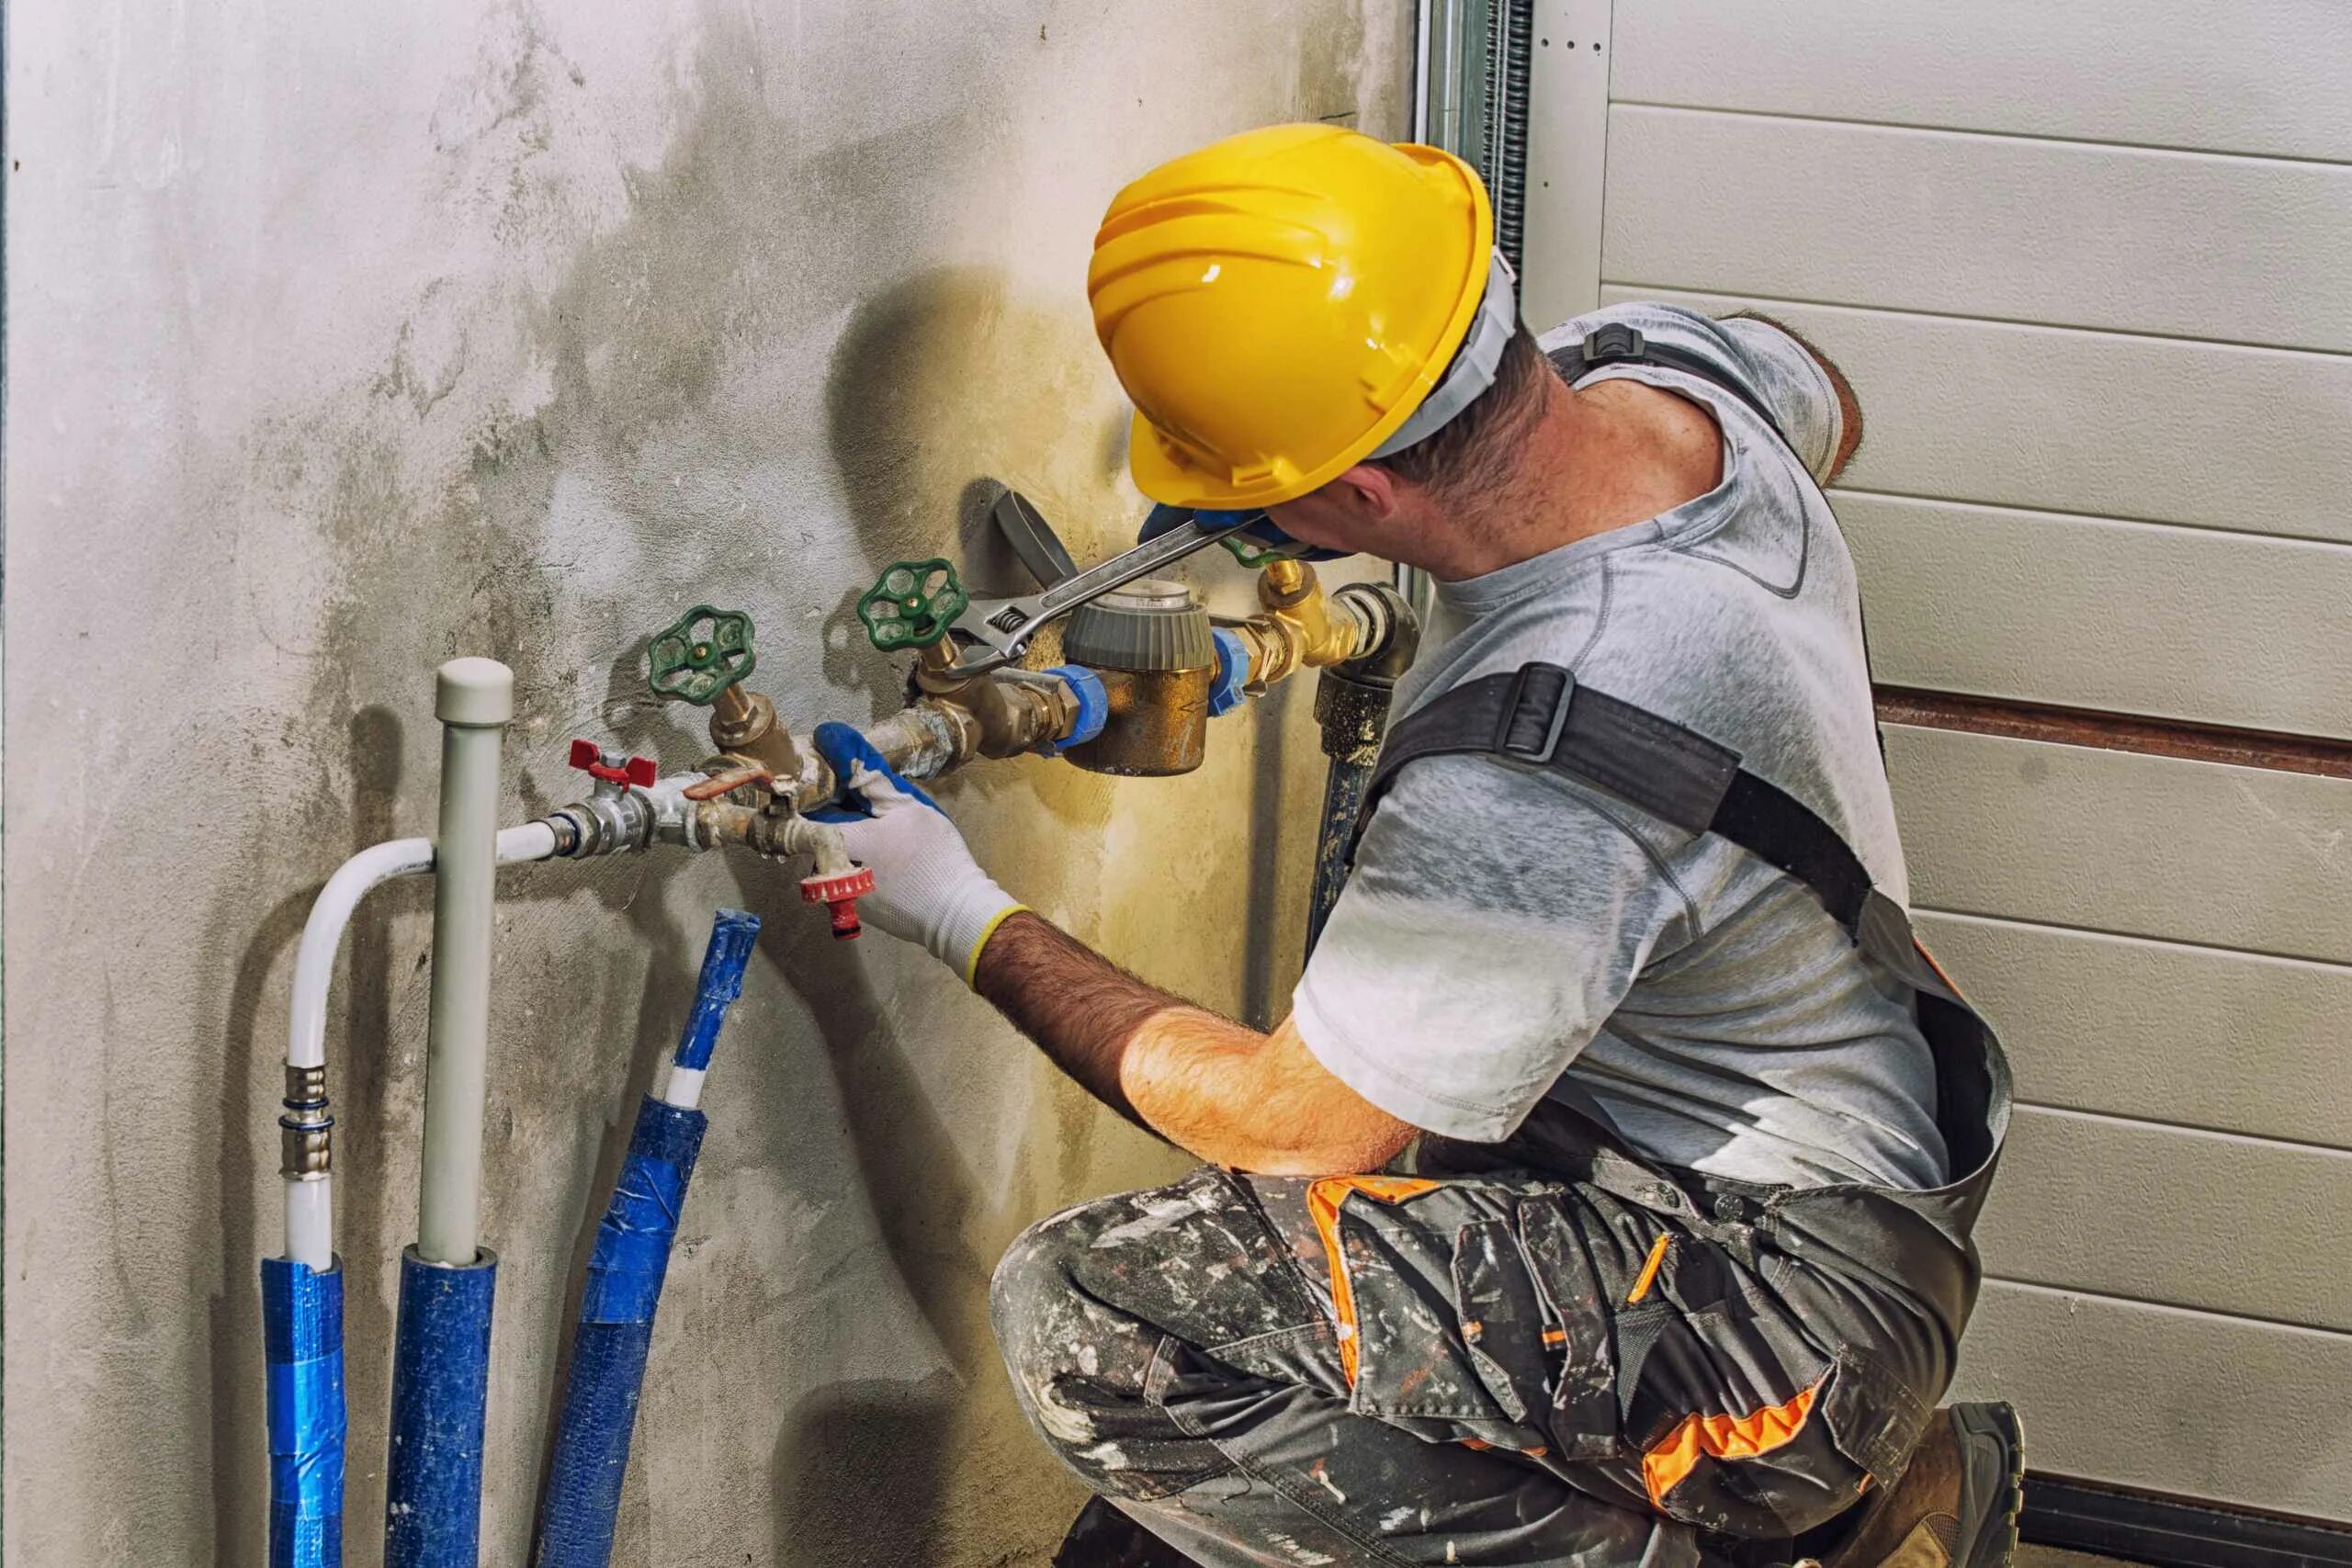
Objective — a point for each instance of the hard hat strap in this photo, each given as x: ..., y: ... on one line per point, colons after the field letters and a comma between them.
x: 1474, y: 366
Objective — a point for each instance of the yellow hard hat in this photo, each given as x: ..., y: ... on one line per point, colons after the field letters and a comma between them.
x: 1280, y: 304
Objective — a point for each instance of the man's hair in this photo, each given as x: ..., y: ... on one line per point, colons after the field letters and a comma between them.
x: 1474, y: 453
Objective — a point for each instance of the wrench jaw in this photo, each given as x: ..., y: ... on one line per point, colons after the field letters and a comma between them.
x: 992, y: 633
x: 1003, y: 627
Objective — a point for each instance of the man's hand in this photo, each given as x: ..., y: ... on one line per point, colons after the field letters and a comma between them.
x: 927, y: 887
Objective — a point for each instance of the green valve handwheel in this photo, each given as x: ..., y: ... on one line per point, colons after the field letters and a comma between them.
x: 912, y: 605
x: 699, y: 655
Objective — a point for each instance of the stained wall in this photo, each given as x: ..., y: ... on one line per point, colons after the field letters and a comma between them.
x: 341, y: 341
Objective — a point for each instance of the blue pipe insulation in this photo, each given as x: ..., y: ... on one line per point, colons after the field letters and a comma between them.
x: 440, y: 1387
x: 615, y: 1333
x: 624, y: 1284
x: 723, y: 962
x: 302, y: 1326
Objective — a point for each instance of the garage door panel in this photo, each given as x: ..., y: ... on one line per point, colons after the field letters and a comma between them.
x: 2208, y: 1220
x: 2204, y: 434
x: 2128, y: 1026
x: 2124, y: 618
x: 2146, y: 846
x: 2062, y: 233
x: 2020, y: 66
x: 2181, y: 1402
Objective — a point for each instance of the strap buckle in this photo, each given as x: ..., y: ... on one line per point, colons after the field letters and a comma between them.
x: 1614, y: 341
x: 1554, y: 724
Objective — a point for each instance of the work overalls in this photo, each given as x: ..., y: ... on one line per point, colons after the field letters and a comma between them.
x: 1546, y: 1351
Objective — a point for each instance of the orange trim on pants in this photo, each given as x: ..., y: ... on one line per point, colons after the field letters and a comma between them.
x: 1324, y: 1196
x: 1649, y: 1269
x: 1677, y: 1453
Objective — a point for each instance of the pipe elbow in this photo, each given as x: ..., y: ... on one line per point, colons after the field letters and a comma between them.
x: 1389, y: 635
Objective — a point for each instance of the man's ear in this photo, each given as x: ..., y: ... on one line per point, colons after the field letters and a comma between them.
x: 1371, y: 490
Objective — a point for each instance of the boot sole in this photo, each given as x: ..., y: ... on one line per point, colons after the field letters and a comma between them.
x: 1991, y: 1483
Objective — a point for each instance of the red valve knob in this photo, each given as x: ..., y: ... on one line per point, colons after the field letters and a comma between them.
x: 840, y: 894
x: 589, y: 758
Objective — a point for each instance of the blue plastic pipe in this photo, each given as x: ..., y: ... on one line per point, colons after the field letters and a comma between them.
x: 625, y: 1273
x: 301, y: 1325
x: 440, y: 1387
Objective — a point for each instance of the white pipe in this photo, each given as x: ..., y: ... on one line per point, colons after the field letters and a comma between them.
x: 310, y: 1221
x: 682, y: 1087
x: 306, y: 1033
x: 310, y: 1217
x: 474, y: 698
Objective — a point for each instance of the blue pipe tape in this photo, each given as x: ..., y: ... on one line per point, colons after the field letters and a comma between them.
x: 301, y: 1328
x: 723, y: 962
x: 633, y: 1240
x: 1093, y: 704
x: 440, y: 1387
x: 1232, y: 672
x: 615, y: 1332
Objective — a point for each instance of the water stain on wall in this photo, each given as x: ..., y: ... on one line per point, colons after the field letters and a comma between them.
x: 753, y: 367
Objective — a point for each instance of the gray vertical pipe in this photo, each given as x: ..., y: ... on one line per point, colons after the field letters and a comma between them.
x: 474, y: 698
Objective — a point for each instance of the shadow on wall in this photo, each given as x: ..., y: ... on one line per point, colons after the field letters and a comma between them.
x: 440, y: 512
x: 249, y: 1201
x: 933, y: 381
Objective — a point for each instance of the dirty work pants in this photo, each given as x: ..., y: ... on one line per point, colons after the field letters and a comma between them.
x: 1508, y: 1369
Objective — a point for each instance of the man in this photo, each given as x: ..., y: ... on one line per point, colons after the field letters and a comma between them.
x: 1683, y: 1137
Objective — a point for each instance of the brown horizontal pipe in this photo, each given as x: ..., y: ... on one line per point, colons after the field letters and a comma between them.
x: 2116, y: 732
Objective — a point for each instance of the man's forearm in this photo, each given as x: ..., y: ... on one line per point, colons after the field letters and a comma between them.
x: 1218, y: 1088
x: 1080, y: 1008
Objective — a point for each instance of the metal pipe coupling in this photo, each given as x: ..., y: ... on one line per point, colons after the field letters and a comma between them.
x: 306, y: 1133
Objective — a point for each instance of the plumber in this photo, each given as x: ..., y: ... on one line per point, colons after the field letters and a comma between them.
x: 1605, y: 1198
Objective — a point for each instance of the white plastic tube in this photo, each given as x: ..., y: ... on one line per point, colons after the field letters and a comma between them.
x: 309, y: 1203
x: 474, y: 698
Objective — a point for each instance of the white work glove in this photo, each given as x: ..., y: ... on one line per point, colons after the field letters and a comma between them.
x: 927, y: 887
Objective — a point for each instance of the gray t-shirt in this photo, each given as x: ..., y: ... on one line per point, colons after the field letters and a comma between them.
x: 1504, y: 925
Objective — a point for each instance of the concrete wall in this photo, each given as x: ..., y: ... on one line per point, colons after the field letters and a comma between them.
x: 341, y: 341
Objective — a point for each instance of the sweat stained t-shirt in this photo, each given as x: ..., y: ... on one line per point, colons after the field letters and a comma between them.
x: 1504, y: 926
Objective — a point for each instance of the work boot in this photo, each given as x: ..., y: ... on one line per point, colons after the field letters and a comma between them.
x: 1105, y: 1538
x: 1957, y: 1503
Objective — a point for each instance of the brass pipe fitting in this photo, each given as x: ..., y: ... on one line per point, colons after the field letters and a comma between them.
x: 1003, y: 713
x: 925, y: 738
x: 743, y: 725
x: 1302, y: 628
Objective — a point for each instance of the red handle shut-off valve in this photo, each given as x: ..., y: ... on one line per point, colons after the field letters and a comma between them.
x: 838, y: 891
x: 590, y: 759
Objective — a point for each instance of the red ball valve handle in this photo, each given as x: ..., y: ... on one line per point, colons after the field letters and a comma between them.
x: 613, y: 767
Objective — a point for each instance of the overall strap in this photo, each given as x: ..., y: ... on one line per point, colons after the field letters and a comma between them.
x: 1539, y: 716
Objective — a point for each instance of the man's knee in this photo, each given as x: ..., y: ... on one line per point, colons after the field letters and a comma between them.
x: 1085, y: 1300
x: 1064, y: 1334
x: 1033, y: 1298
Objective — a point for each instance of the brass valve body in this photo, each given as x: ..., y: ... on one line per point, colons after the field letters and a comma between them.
x: 743, y: 727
